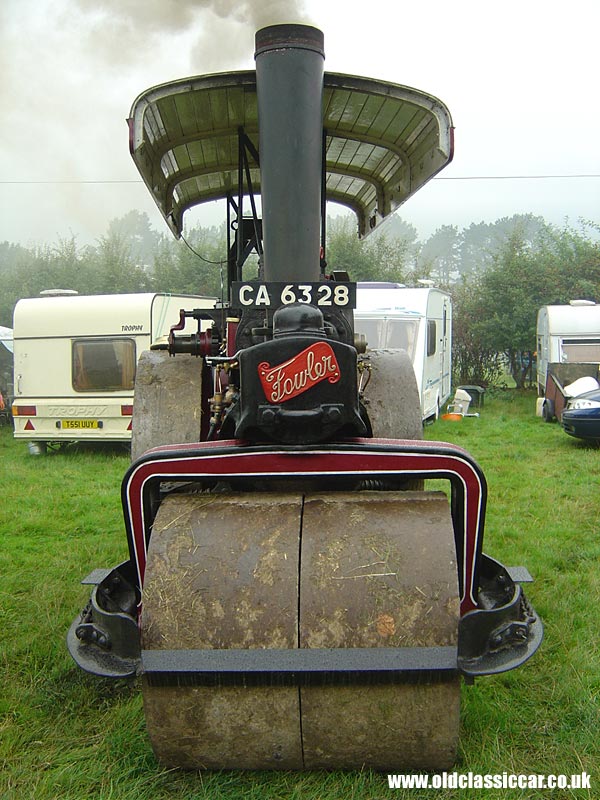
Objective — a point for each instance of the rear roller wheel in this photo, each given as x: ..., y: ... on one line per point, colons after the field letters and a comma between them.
x: 392, y: 400
x: 167, y: 404
x: 392, y: 396
x: 273, y: 571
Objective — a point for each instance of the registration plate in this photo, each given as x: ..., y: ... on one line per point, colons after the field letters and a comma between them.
x: 80, y: 424
x: 325, y: 295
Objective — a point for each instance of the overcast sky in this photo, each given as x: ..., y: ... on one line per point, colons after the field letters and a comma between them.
x: 520, y: 78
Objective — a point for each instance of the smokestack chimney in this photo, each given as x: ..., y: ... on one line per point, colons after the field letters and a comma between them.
x: 289, y: 80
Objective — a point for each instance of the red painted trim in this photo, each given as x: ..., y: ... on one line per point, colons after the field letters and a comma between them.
x: 374, y: 457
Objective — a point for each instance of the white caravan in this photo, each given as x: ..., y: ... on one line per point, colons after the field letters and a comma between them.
x: 567, y: 334
x: 75, y: 358
x: 418, y: 321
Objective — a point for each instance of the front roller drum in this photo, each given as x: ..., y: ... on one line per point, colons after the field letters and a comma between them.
x: 287, y: 571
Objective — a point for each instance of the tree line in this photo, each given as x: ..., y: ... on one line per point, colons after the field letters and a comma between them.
x: 498, y: 274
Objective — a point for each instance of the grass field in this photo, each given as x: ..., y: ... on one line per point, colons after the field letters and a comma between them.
x: 68, y: 735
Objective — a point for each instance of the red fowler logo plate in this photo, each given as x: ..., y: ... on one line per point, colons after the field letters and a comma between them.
x: 300, y: 373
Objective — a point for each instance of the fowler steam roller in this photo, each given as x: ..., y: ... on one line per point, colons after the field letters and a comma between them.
x: 293, y: 598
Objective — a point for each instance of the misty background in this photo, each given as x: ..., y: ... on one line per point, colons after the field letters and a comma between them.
x: 512, y: 224
x: 519, y: 79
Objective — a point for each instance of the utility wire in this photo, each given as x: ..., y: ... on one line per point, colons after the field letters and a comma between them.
x: 220, y: 264
x: 437, y: 178
x: 202, y: 258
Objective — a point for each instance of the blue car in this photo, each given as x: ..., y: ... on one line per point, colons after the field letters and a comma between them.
x: 581, y: 417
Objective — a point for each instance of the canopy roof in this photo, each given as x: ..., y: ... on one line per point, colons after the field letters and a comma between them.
x: 383, y: 142
x: 6, y: 338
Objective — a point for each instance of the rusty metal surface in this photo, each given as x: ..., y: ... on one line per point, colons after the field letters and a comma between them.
x: 167, y: 401
x: 199, y: 727
x: 379, y: 570
x: 223, y: 573
x: 389, y: 728
x: 392, y: 400
x: 392, y: 396
x: 377, y: 566
x: 376, y: 569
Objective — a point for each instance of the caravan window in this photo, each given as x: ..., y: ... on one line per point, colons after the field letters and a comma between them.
x: 372, y: 330
x: 389, y: 332
x: 581, y: 350
x: 402, y: 333
x: 431, y: 337
x: 103, y: 365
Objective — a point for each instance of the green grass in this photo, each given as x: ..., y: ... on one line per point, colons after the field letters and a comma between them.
x: 64, y: 734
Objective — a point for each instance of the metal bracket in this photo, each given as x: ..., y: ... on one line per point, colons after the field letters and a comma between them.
x: 96, y: 576
x: 519, y: 574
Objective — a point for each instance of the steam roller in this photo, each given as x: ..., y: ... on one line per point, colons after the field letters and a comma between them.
x: 293, y: 597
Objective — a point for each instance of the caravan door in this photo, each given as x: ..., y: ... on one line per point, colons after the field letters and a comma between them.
x: 446, y: 355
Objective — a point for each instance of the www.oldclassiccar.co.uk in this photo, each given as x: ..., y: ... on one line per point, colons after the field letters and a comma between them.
x: 501, y: 780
